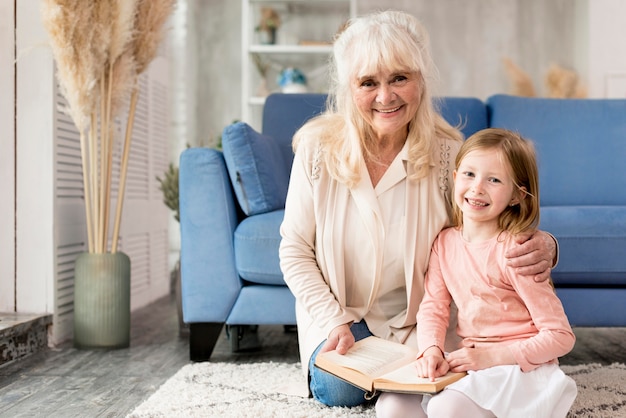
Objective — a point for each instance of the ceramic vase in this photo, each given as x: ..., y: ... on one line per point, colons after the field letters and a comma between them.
x: 102, y: 301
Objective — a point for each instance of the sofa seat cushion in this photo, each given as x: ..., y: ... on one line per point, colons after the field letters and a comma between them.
x: 256, y: 167
x: 257, y: 239
x: 262, y: 305
x: 592, y: 240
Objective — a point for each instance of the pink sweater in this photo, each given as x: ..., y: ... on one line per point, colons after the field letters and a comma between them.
x: 496, y: 306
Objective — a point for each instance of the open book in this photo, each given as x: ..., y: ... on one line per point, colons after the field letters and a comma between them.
x: 375, y: 364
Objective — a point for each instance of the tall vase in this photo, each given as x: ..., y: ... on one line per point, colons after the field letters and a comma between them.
x: 102, y: 301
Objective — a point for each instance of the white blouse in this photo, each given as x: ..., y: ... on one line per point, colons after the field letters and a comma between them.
x: 378, y: 293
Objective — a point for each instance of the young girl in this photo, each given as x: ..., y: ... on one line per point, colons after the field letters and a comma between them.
x: 512, y: 330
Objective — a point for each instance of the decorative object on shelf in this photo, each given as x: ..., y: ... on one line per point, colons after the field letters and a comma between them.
x: 100, y: 49
x: 268, y: 25
x: 292, y: 80
x: 262, y: 67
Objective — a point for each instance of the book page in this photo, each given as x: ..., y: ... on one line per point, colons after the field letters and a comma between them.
x: 373, y: 356
x: 407, y: 377
x: 406, y: 374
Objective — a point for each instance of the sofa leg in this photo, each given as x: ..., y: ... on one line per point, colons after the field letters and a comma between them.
x: 202, y: 339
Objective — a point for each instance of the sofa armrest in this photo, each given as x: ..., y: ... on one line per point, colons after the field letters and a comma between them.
x: 208, y: 217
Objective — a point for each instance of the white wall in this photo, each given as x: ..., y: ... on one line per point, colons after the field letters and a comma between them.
x: 7, y: 157
x: 469, y: 40
x: 35, y: 265
x: 216, y: 27
x: 606, y: 58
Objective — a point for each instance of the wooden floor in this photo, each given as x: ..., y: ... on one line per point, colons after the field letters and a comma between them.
x: 67, y: 382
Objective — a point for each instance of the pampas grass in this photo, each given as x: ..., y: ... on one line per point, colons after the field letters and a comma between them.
x: 100, y: 48
x: 560, y: 82
x: 521, y: 83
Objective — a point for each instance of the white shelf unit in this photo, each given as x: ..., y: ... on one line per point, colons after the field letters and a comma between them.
x: 303, y: 41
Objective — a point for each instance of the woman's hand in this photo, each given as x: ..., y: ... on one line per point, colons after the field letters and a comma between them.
x: 535, y: 256
x: 432, y: 364
x: 340, y: 339
x: 470, y: 358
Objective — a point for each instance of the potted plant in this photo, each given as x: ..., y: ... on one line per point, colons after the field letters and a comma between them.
x: 100, y: 49
x: 268, y: 25
x: 168, y: 184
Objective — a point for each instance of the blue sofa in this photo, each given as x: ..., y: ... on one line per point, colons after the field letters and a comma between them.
x: 231, y: 207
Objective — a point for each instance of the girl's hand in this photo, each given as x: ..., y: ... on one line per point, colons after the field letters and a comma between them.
x: 432, y: 364
x: 470, y: 358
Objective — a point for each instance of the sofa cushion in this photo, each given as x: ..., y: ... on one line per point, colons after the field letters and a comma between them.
x: 581, y: 145
x: 469, y: 114
x: 256, y: 168
x: 256, y: 248
x: 285, y: 113
x: 592, y: 240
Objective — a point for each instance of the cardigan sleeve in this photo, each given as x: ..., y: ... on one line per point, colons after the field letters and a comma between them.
x: 298, y: 258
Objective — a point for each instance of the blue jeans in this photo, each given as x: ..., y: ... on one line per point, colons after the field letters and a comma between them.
x: 331, y: 390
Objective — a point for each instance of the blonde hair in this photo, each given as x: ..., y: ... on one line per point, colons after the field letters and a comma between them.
x: 519, y: 156
x: 381, y: 41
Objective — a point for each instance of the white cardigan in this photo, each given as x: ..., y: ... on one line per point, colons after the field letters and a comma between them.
x: 312, y: 264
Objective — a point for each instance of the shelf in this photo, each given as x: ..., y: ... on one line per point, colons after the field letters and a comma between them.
x: 303, y: 41
x: 257, y: 100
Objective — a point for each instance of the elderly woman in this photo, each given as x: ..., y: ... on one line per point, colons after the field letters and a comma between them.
x: 369, y: 192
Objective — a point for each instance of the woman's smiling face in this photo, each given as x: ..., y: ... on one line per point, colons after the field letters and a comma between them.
x: 388, y: 101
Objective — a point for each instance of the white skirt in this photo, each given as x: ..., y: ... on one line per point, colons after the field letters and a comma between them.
x: 510, y: 393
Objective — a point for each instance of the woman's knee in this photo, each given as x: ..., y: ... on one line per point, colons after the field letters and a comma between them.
x: 332, y: 391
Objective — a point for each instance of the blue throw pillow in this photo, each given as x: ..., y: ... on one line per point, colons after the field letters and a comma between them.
x: 256, y: 168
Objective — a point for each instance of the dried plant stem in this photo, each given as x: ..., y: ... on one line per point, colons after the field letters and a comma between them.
x: 87, y: 191
x: 100, y: 173
x: 106, y: 192
x: 124, y: 167
x: 109, y: 158
x: 92, y: 174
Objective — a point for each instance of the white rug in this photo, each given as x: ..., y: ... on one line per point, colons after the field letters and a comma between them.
x: 277, y: 389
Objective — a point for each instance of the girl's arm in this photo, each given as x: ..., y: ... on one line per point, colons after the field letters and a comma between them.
x: 555, y: 337
x: 433, y: 315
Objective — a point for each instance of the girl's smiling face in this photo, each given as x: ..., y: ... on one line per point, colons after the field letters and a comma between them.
x: 483, y: 188
x: 388, y: 101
